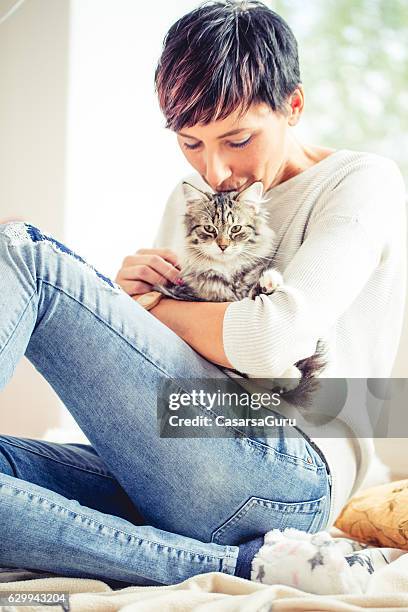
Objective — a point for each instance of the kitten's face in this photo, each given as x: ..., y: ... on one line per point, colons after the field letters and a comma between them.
x: 222, y: 226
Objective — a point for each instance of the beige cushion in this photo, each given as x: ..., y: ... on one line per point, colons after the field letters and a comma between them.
x: 378, y: 515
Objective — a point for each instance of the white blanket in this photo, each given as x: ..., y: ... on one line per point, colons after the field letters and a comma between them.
x: 385, y: 588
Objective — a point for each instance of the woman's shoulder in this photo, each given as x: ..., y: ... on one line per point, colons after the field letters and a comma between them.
x: 350, y: 162
x: 360, y: 185
x: 358, y: 175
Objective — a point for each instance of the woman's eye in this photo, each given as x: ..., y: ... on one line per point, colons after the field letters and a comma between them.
x: 234, y: 145
x: 236, y: 228
x: 243, y: 143
x: 191, y: 147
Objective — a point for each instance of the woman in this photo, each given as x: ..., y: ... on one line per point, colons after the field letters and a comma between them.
x: 143, y: 509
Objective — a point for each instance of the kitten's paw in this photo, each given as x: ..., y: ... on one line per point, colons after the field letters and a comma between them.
x: 289, y: 379
x: 270, y: 280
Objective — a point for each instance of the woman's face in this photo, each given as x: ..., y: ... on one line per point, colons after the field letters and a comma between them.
x: 232, y: 153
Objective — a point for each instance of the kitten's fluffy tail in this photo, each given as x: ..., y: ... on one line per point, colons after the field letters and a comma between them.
x: 310, y: 367
x: 178, y: 292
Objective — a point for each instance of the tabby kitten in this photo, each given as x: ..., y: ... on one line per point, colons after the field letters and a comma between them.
x: 228, y: 253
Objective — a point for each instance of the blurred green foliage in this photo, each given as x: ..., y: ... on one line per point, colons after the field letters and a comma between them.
x: 354, y: 67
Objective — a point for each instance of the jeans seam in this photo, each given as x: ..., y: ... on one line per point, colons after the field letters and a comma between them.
x: 298, y: 461
x: 105, y: 323
x: 18, y: 322
x: 253, y: 501
x: 229, y: 562
x: 35, y: 452
x: 39, y: 497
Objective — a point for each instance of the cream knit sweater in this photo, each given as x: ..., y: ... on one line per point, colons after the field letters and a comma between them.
x: 341, y: 247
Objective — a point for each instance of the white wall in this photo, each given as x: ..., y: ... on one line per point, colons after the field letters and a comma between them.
x: 33, y: 100
x: 121, y: 162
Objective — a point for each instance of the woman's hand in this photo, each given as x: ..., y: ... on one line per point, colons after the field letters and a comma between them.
x: 139, y: 272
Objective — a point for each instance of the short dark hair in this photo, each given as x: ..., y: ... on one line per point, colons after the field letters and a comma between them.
x: 224, y: 56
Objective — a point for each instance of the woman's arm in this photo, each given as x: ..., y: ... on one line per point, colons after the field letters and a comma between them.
x: 355, y: 232
x: 200, y: 324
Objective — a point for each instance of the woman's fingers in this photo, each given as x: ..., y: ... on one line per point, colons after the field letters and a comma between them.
x: 159, y: 263
x: 132, y: 287
x: 147, y: 267
x: 150, y: 268
x: 166, y: 254
x: 144, y: 273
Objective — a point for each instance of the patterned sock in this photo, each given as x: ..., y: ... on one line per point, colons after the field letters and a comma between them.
x: 247, y: 552
x: 317, y: 563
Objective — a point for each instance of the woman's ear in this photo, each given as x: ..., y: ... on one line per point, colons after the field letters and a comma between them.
x: 296, y: 103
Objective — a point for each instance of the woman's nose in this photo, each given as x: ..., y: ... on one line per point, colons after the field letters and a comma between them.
x: 216, y: 173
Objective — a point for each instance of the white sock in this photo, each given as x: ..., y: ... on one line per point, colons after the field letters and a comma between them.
x: 316, y: 563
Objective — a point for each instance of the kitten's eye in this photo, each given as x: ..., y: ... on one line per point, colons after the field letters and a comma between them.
x: 235, y: 229
x: 210, y: 229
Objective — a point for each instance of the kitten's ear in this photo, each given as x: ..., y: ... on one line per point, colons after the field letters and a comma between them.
x: 252, y: 195
x: 192, y: 194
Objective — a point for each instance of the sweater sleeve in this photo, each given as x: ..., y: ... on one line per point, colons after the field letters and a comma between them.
x: 342, y: 247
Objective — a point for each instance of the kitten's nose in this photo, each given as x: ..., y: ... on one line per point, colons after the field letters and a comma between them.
x: 223, y: 246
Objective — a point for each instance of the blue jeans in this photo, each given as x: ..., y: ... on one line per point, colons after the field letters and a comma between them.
x: 132, y: 506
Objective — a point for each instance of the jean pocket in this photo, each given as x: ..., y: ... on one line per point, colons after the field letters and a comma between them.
x: 257, y: 516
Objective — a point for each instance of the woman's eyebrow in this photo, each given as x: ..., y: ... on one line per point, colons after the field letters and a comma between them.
x: 230, y: 133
